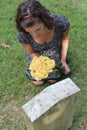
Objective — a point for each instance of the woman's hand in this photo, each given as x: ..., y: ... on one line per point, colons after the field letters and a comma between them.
x: 66, y: 67
x: 35, y: 54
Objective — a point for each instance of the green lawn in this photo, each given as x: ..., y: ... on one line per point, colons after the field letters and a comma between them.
x: 15, y: 88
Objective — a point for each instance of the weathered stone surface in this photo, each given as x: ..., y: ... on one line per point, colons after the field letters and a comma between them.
x: 52, y: 108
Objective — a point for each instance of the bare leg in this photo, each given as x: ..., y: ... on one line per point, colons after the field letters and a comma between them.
x: 52, y: 81
x: 37, y: 83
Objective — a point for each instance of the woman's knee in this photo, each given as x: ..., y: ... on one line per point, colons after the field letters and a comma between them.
x: 52, y: 81
x: 37, y: 83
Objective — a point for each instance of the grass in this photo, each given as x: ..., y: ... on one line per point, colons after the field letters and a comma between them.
x: 15, y: 88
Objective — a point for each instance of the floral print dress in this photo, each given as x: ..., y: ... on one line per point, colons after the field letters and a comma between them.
x: 51, y: 49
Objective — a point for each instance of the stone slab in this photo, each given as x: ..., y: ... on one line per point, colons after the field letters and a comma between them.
x: 47, y: 98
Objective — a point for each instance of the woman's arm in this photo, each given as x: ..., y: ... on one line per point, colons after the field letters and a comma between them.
x: 30, y: 50
x: 64, y: 49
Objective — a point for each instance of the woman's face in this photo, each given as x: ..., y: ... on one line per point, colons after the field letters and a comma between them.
x: 37, y: 30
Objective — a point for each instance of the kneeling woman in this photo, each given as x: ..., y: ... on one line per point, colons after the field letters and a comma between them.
x: 42, y: 33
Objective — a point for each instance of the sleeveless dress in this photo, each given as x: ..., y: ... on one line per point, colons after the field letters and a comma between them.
x: 51, y: 49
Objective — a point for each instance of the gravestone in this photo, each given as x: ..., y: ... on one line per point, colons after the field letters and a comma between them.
x: 52, y: 108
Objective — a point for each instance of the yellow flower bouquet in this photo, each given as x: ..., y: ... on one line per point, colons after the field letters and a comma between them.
x: 41, y: 67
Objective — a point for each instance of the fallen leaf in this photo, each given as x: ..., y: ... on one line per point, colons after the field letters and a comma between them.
x: 4, y: 45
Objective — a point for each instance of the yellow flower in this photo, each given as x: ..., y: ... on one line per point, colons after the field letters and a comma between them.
x: 40, y: 67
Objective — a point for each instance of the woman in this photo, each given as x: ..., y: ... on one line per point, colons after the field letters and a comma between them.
x: 41, y: 33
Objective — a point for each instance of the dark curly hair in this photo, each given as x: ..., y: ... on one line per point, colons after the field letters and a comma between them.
x: 31, y: 11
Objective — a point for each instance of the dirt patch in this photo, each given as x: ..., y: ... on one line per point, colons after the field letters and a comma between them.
x: 80, y: 128
x: 11, y: 117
